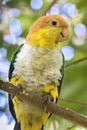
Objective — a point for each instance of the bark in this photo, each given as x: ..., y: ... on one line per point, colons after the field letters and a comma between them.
x: 38, y: 101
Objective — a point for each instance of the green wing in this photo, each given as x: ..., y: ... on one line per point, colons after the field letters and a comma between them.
x: 11, y: 106
x: 62, y: 73
x: 13, y: 61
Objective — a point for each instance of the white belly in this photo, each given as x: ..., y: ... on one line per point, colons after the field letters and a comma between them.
x: 38, y: 66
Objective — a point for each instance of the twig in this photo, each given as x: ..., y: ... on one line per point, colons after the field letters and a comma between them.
x: 74, y: 102
x: 52, y: 3
x: 76, y: 62
x: 34, y: 99
x: 71, y: 127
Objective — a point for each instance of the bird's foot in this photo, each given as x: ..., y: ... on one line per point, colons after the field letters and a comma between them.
x: 20, y: 84
x: 51, y: 90
x: 47, y: 100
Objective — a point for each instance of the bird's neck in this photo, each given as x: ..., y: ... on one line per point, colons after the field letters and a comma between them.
x: 42, y: 38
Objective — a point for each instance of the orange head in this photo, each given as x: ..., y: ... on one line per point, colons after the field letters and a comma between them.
x: 47, y: 31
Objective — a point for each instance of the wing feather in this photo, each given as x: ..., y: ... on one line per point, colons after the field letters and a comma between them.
x: 11, y: 106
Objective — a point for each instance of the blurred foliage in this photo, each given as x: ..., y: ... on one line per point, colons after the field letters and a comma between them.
x: 75, y: 82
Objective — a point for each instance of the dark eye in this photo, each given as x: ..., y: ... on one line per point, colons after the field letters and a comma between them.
x: 54, y: 22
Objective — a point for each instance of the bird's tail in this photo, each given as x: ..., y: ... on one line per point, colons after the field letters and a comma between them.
x: 30, y: 122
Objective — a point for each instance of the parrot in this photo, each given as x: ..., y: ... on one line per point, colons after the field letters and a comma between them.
x: 38, y: 65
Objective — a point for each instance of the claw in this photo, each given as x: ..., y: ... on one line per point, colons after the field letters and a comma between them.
x: 19, y: 86
x: 47, y: 99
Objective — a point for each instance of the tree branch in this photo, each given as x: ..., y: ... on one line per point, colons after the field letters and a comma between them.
x: 73, y: 102
x: 75, y: 62
x: 34, y: 99
x: 49, y: 7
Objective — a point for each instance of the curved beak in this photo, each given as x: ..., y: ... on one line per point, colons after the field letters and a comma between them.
x: 63, y: 35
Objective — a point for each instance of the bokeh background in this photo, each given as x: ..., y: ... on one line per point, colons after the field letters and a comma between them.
x: 16, y: 17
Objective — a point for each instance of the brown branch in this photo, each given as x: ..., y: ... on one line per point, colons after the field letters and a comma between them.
x: 53, y: 108
x: 49, y: 7
x: 71, y: 127
x: 73, y: 102
x: 76, y: 62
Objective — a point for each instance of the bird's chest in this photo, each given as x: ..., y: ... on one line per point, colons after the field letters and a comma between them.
x: 39, y: 67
